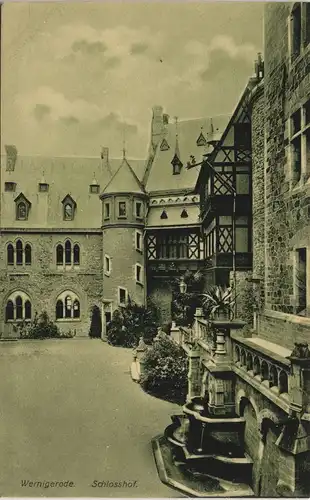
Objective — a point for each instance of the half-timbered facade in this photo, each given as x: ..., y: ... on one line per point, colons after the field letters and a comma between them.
x: 225, y: 189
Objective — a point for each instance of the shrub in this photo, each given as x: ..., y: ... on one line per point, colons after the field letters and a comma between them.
x: 41, y: 327
x: 132, y: 322
x: 96, y: 323
x: 165, y: 370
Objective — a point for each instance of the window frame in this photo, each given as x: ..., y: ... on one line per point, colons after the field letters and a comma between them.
x: 62, y: 299
x: 20, y: 303
x: 107, y: 268
x: 107, y: 213
x: 139, y: 278
x: 139, y: 237
x: 303, y: 42
x: 299, y: 132
x: 119, y: 216
x: 119, y: 289
x: 139, y: 215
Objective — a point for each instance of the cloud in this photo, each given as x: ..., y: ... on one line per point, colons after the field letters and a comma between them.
x: 41, y: 111
x: 139, y: 48
x: 115, y: 122
x: 89, y: 48
x: 69, y: 120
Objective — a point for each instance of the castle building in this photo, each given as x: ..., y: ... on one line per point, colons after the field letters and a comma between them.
x: 83, y: 232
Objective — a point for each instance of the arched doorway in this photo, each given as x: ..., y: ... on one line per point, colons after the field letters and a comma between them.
x: 95, y: 329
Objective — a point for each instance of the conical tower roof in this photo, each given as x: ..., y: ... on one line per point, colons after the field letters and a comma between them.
x: 124, y: 180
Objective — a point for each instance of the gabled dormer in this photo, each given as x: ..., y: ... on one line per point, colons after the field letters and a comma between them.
x: 164, y: 146
x: 69, y: 207
x: 201, y: 141
x: 23, y: 206
x: 94, y: 187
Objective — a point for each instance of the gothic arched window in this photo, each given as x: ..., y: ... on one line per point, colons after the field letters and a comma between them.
x: 28, y: 254
x: 76, y: 255
x: 19, y: 307
x: 59, y: 309
x: 68, y: 252
x: 67, y: 306
x: 59, y: 255
x: 27, y: 309
x: 10, y: 254
x: 9, y: 310
x: 19, y: 252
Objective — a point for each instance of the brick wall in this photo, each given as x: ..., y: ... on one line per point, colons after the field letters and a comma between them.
x: 43, y: 281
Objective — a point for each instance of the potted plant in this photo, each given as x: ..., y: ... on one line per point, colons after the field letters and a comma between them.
x: 218, y: 302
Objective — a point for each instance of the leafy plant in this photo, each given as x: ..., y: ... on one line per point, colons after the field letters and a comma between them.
x: 165, y: 370
x: 41, y: 327
x: 217, y: 299
x: 132, y: 322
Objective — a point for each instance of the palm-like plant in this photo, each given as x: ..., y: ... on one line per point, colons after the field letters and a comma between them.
x: 218, y: 299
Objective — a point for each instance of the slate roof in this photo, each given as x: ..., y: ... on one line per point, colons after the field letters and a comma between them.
x: 160, y: 176
x: 65, y: 175
x: 124, y: 180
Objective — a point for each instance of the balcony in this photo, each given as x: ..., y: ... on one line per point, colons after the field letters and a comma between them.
x: 173, y: 267
x: 243, y: 260
x: 223, y: 204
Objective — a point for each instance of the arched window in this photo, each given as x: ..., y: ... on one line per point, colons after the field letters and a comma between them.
x: 59, y: 309
x: 21, y: 211
x: 19, y: 307
x: 68, y: 306
x: 76, y: 309
x: 10, y: 254
x: 68, y: 252
x: 59, y: 255
x: 9, y: 311
x: 19, y: 253
x: 28, y: 254
x: 27, y: 309
x: 76, y: 255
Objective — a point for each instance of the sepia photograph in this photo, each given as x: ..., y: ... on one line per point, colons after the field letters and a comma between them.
x: 155, y: 249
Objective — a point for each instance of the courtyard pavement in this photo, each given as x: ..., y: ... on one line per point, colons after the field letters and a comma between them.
x: 70, y: 412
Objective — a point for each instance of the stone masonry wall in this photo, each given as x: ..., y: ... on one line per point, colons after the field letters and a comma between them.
x: 287, y: 207
x: 43, y: 281
x: 258, y: 183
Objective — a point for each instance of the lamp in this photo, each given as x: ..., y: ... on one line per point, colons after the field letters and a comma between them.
x: 183, y: 286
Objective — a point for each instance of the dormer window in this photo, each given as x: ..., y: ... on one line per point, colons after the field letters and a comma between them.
x: 164, y: 145
x: 22, y: 207
x: 10, y: 186
x: 69, y: 207
x: 177, y: 165
x: 94, y: 188
x: 43, y: 187
x: 201, y: 141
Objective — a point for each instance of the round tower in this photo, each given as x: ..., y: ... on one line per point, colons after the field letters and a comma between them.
x: 124, y: 204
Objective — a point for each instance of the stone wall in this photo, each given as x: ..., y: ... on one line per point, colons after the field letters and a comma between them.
x: 286, y: 206
x: 43, y: 281
x: 283, y: 329
x: 160, y: 292
x: 258, y: 182
x: 244, y: 291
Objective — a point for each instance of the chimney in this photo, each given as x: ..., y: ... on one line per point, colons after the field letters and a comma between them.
x: 157, y: 125
x: 11, y: 157
x: 259, y: 67
x: 105, y: 154
x: 166, y: 119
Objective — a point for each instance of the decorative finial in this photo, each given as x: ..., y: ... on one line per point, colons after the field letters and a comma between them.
x: 176, y: 125
x: 124, y: 142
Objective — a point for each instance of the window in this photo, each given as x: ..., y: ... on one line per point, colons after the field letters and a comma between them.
x: 22, y: 255
x: 94, y: 188
x: 139, y: 239
x: 76, y: 255
x: 67, y: 253
x: 28, y: 255
x: 301, y: 281
x: 69, y: 207
x: 242, y: 135
x: 107, y: 265
x: 67, y: 306
x: 107, y: 210
x: 299, y: 28
x: 9, y: 186
x: 122, y: 209
x: 122, y: 296
x: 300, y: 143
x: 139, y: 213
x: 18, y: 307
x: 10, y: 254
x: 138, y: 273
x: 19, y: 253
x: 43, y: 187
x: 21, y: 211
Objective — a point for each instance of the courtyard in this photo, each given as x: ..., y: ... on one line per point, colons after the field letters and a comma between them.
x: 71, y: 414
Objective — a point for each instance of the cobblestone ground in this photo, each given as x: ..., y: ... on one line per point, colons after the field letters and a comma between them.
x: 70, y: 412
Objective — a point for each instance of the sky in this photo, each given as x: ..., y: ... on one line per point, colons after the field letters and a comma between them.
x: 77, y: 76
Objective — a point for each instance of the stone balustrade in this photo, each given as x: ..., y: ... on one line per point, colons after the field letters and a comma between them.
x: 272, y: 372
